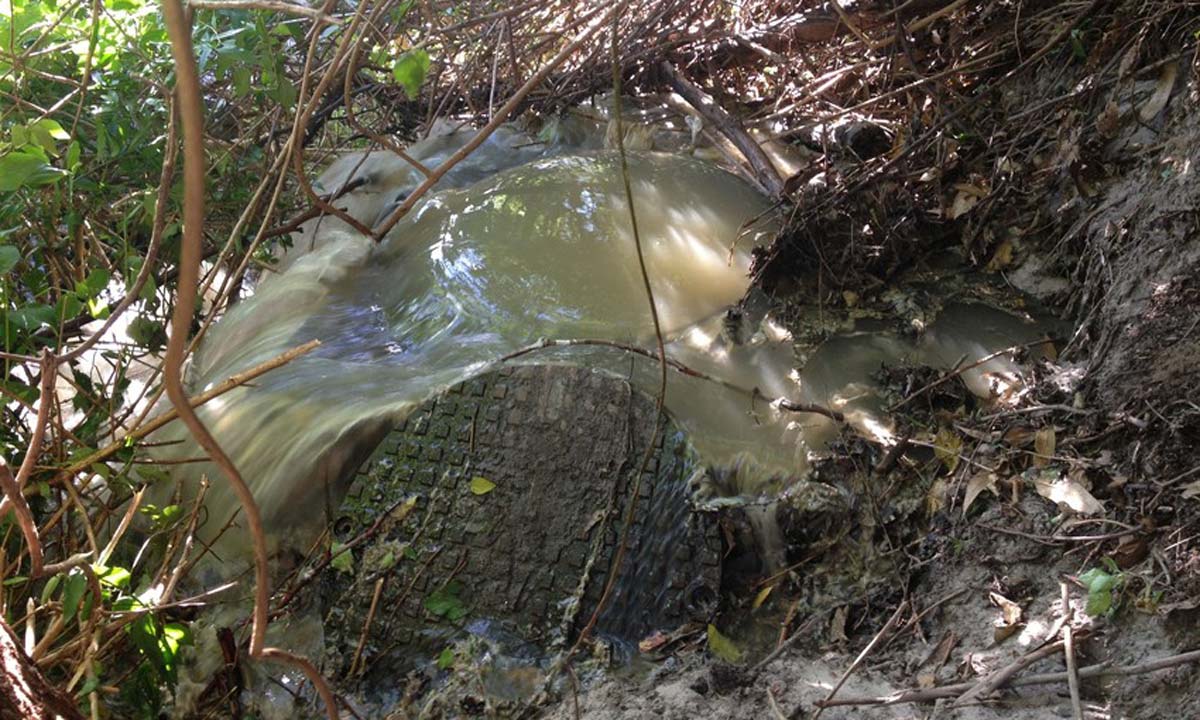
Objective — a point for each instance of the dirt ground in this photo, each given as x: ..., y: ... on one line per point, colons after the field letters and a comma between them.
x: 1110, y: 241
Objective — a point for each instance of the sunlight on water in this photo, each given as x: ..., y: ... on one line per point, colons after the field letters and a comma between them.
x: 543, y: 250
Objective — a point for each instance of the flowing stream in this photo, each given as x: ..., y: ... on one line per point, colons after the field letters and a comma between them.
x: 499, y: 259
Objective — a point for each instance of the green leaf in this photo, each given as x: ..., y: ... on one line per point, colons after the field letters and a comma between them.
x: 481, y: 485
x: 73, y: 152
x: 46, y: 132
x: 115, y: 576
x: 26, y: 167
x: 88, y: 687
x: 95, y: 282
x: 9, y: 257
x: 445, y: 659
x: 1101, y: 586
x: 444, y: 602
x: 32, y: 317
x: 51, y: 586
x: 409, y: 71
x: 73, y: 593
x: 722, y: 646
x: 343, y: 558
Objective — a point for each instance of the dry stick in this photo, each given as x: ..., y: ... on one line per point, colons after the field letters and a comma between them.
x: 229, y: 384
x: 635, y: 491
x: 24, y: 517
x: 158, y: 226
x: 269, y: 5
x: 887, y: 627
x: 994, y: 681
x: 501, y: 116
x: 352, y: 118
x: 306, y: 110
x: 1069, y: 652
x: 1099, y: 670
x: 962, y: 369
x: 13, y: 487
x: 764, y: 170
x: 192, y: 116
x: 25, y: 691
x: 801, y: 631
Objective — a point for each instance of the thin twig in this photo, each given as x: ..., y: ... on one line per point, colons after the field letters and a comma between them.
x: 502, y: 116
x: 634, y: 491
x: 1069, y: 651
x: 268, y: 5
x: 1099, y: 670
x: 887, y: 628
x: 191, y: 113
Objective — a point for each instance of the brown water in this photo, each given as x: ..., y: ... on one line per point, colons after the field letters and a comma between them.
x: 541, y: 250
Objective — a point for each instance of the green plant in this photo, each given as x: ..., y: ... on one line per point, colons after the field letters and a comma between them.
x: 1104, y: 587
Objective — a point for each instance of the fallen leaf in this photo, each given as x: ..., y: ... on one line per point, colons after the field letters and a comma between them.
x: 1162, y: 92
x: 979, y: 482
x: 655, y: 641
x: 1109, y: 120
x: 935, y: 499
x: 1192, y: 489
x: 1010, y: 617
x: 481, y: 485
x: 963, y: 202
x: 722, y: 646
x: 837, y: 626
x: 761, y: 597
x: 1018, y: 436
x: 342, y: 559
x: 1043, y: 446
x: 945, y: 646
x: 947, y: 447
x: 1002, y: 258
x: 1010, y: 612
x: 1064, y: 491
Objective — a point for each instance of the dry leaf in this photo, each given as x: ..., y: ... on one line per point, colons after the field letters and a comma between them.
x: 1043, y: 446
x: 1162, y: 92
x: 850, y: 297
x: 1002, y: 258
x: 761, y: 597
x: 941, y: 652
x: 481, y: 485
x: 655, y: 641
x: 979, y: 482
x: 837, y: 626
x: 1067, y: 492
x: 947, y: 447
x: 1018, y: 436
x: 963, y: 202
x: 1192, y: 489
x: 722, y: 646
x: 1109, y: 121
x: 1010, y: 617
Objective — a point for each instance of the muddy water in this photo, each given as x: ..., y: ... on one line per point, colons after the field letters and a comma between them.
x: 542, y: 250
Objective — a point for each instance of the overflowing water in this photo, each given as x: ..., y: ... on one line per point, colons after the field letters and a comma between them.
x: 500, y: 259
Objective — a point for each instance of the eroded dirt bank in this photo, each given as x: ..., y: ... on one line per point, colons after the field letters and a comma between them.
x: 1078, y: 189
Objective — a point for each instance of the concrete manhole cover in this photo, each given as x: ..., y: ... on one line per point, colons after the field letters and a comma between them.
x: 505, y: 497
